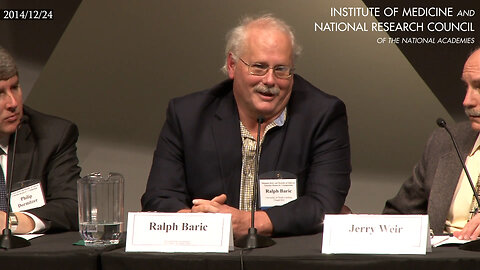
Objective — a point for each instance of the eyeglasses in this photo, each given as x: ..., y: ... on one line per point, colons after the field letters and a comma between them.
x: 258, y: 69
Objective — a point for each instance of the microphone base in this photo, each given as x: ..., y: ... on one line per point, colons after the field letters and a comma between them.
x: 10, y: 241
x: 254, y: 240
x: 471, y: 246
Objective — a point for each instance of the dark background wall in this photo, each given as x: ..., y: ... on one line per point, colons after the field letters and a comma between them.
x: 119, y: 62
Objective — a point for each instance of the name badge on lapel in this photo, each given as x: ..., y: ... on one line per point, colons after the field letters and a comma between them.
x: 277, y: 188
x: 27, y: 195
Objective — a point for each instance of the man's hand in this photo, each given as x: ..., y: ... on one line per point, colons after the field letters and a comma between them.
x: 240, y: 219
x: 471, y: 231
x: 25, y: 223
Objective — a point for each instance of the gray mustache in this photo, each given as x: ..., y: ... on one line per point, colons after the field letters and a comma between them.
x: 261, y: 88
x: 472, y: 112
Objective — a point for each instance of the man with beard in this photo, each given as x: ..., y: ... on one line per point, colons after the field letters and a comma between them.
x: 439, y: 186
x: 205, y: 156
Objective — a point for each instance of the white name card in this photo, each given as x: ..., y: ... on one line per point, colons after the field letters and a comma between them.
x: 27, y: 198
x: 179, y: 232
x: 274, y: 192
x: 376, y: 234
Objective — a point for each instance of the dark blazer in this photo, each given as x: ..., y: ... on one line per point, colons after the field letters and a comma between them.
x: 46, y: 151
x: 199, y: 155
x: 435, y: 177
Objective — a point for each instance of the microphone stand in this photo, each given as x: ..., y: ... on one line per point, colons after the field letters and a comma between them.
x: 253, y: 239
x: 473, y: 245
x: 7, y: 239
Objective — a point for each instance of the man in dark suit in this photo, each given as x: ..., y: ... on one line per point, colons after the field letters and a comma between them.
x: 45, y: 151
x: 439, y: 186
x: 204, y: 161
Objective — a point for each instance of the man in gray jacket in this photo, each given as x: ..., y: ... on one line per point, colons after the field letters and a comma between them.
x: 439, y: 186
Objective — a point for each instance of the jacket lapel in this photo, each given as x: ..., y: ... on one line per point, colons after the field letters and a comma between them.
x: 226, y: 135
x: 24, y: 151
x: 441, y: 194
x: 271, y: 148
x: 447, y: 174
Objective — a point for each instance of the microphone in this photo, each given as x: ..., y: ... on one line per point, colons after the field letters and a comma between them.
x: 260, y: 120
x: 473, y: 245
x: 7, y: 239
x: 252, y: 239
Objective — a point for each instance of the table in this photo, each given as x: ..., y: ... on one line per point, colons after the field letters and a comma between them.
x: 53, y: 251
x: 301, y: 252
x: 56, y: 251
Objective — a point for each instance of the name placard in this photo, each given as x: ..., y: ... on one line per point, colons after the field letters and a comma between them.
x: 179, y: 232
x: 376, y: 234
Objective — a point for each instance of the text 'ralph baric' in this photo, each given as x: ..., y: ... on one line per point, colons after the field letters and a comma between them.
x: 374, y: 229
x: 176, y: 227
x: 276, y: 190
